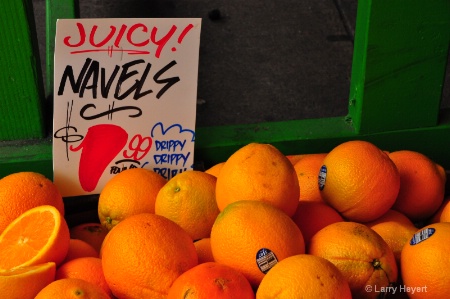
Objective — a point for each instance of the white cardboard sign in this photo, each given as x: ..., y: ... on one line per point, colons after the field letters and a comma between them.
x: 125, y: 95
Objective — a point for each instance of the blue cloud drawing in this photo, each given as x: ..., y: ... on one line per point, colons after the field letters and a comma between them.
x: 163, y: 131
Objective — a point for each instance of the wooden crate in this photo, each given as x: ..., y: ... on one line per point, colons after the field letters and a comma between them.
x: 398, y: 71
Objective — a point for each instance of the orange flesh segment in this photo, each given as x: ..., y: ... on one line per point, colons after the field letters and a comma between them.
x: 26, y: 239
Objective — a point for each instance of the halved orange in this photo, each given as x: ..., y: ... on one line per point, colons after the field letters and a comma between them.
x: 26, y: 282
x: 39, y: 235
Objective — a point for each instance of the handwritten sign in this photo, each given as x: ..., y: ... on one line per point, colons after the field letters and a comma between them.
x: 125, y: 95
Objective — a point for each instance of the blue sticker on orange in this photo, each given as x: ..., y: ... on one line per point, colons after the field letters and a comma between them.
x: 422, y: 235
x: 322, y: 177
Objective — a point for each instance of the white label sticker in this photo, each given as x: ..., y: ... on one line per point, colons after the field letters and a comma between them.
x: 265, y: 259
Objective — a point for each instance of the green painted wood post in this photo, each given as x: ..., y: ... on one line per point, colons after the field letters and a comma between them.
x: 55, y: 9
x: 21, y: 84
x: 399, y: 64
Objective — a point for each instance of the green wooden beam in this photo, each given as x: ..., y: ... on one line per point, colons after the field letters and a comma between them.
x: 216, y: 144
x: 55, y: 9
x: 21, y: 85
x: 399, y: 64
x: 30, y: 155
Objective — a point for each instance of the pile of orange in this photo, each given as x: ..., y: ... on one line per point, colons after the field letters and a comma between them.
x: 258, y: 172
x: 128, y: 193
x: 22, y: 191
x: 160, y: 252
x: 353, y: 222
x: 362, y: 256
x: 252, y: 236
x: 211, y: 280
x: 189, y: 200
x: 359, y: 180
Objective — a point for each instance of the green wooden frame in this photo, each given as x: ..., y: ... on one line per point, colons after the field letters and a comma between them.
x: 21, y: 85
x: 398, y: 72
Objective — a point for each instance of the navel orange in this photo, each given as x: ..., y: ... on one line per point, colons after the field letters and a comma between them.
x: 26, y: 282
x: 79, y: 248
x: 363, y: 257
x: 396, y: 229
x: 252, y: 236
x: 189, y: 200
x: 261, y: 172
x: 211, y: 280
x: 132, y: 191
x: 72, y: 288
x: 359, y: 180
x: 422, y: 185
x: 215, y: 169
x: 425, y: 262
x: 91, y: 233
x: 204, y: 252
x: 22, y: 191
x: 443, y: 213
x: 307, y: 169
x: 312, y: 216
x: 87, y: 268
x: 39, y: 235
x: 304, y: 276
x: 295, y: 158
x: 144, y: 254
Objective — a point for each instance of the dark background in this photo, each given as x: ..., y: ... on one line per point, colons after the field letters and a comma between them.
x: 259, y: 60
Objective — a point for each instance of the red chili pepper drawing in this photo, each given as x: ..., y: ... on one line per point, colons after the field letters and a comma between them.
x: 99, y: 147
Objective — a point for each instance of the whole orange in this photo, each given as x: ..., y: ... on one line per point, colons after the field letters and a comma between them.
x: 204, y: 252
x: 26, y: 282
x: 211, y: 280
x: 359, y: 180
x: 304, y: 276
x: 295, y: 158
x: 396, y: 229
x: 363, y: 257
x: 443, y: 213
x: 132, y: 191
x: 39, y: 235
x: 79, y: 248
x: 215, y: 169
x: 312, y: 216
x: 144, y: 254
x: 422, y: 185
x: 189, y: 200
x: 22, y: 191
x: 86, y: 268
x: 425, y: 262
x: 307, y: 169
x: 252, y: 236
x: 91, y: 233
x: 261, y: 172
x: 72, y: 288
